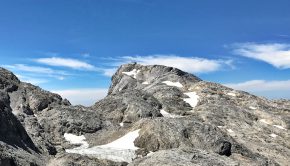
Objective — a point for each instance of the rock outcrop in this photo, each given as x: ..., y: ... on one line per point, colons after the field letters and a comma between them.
x: 152, y: 115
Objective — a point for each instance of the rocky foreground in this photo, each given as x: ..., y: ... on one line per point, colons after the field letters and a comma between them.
x: 152, y: 115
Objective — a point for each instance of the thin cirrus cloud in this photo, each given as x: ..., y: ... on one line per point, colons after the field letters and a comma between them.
x: 37, y: 71
x: 270, y: 89
x: 188, y: 64
x: 85, y: 97
x: 276, y: 54
x: 109, y: 72
x: 67, y: 62
x: 261, y: 85
x: 32, y: 80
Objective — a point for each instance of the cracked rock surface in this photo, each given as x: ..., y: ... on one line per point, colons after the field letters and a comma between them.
x: 152, y: 115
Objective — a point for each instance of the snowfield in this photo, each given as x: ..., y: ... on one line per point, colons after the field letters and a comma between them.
x: 125, y: 142
x: 253, y: 108
x: 133, y: 73
x: 192, y: 100
x: 167, y: 114
x: 145, y: 83
x: 231, y: 94
x: 169, y: 83
x: 265, y: 121
x: 273, y: 135
x: 279, y: 127
x: 76, y: 140
x: 122, y: 149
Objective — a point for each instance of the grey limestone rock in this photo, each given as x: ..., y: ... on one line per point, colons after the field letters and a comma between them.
x: 181, y: 119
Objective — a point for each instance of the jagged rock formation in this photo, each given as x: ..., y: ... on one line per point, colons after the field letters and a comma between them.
x: 152, y: 115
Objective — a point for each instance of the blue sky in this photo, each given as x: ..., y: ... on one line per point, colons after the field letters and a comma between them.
x: 73, y: 46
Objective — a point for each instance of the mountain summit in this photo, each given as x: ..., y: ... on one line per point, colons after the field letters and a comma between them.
x: 152, y: 115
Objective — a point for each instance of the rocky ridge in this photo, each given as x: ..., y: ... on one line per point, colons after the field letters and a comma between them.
x: 152, y: 115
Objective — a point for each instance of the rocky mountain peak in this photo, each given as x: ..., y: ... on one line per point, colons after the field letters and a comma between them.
x: 132, y: 76
x: 8, y: 81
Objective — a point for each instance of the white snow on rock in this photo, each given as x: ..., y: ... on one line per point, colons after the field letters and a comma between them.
x: 133, y: 73
x: 145, y: 83
x: 125, y: 142
x: 76, y: 140
x: 273, y: 135
x: 167, y: 114
x: 252, y: 108
x: 122, y: 149
x: 230, y: 130
x: 264, y: 121
x: 231, y: 94
x: 122, y: 124
x: 192, y: 100
x: 150, y: 153
x: 279, y: 127
x: 169, y: 83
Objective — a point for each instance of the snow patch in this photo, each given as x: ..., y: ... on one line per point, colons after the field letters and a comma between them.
x: 133, y: 73
x: 169, y: 83
x: 121, y: 124
x: 76, y: 140
x: 273, y: 135
x: 145, y: 83
x: 264, y: 121
x: 231, y: 94
x: 230, y: 130
x: 167, y: 114
x: 122, y: 149
x: 125, y: 142
x: 279, y: 127
x: 150, y: 153
x: 192, y: 100
x: 253, y: 108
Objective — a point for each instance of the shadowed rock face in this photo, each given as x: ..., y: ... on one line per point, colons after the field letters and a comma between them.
x: 181, y: 120
x: 15, y: 143
x: 11, y: 131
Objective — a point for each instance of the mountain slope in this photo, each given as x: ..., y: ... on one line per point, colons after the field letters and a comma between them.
x: 152, y: 115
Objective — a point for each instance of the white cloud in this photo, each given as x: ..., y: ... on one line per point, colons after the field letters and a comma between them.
x: 270, y: 89
x: 35, y: 69
x: 276, y: 54
x: 85, y: 97
x: 109, y: 72
x: 34, y: 81
x: 67, y: 62
x: 38, y: 72
x: 261, y: 85
x: 188, y: 64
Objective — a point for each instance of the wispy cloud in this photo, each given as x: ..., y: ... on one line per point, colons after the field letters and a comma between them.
x: 85, y: 97
x: 188, y: 64
x: 261, y: 85
x: 109, y: 72
x: 37, y: 70
x: 32, y: 80
x: 276, y: 54
x: 270, y: 89
x: 67, y: 62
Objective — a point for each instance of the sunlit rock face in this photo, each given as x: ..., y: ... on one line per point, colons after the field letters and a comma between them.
x: 152, y: 115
